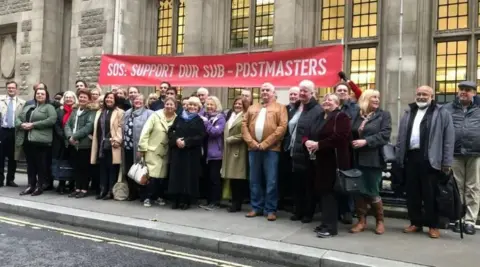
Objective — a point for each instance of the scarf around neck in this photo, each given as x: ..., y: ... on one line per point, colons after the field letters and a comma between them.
x: 67, y: 112
x: 188, y: 116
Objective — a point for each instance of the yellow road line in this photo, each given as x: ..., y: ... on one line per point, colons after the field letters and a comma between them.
x: 83, y: 237
x: 162, y: 251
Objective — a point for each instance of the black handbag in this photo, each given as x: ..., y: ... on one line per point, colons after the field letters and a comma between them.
x: 61, y: 167
x: 347, y: 181
x: 388, y: 153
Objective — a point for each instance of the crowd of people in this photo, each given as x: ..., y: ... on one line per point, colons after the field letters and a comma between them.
x: 195, y: 149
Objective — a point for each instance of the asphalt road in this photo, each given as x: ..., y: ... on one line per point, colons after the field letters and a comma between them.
x: 28, y: 242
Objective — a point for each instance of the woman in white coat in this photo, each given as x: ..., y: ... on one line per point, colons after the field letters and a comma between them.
x: 153, y: 146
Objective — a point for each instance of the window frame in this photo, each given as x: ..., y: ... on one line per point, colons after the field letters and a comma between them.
x: 251, y: 30
x: 174, y: 37
x: 436, y: 9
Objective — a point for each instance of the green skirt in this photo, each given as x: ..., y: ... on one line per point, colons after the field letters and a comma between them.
x: 371, y: 178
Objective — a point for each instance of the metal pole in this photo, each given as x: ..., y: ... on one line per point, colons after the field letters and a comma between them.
x: 400, y: 64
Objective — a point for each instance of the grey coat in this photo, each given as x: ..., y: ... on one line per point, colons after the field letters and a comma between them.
x: 441, y: 138
x: 138, y: 122
x: 467, y: 128
x: 377, y: 133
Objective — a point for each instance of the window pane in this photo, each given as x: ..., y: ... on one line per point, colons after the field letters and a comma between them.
x: 364, y: 19
x: 239, y: 23
x: 333, y: 20
x: 452, y: 15
x: 233, y: 92
x: 165, y: 22
x: 450, y: 68
x: 181, y: 26
x: 264, y: 12
x: 363, y: 67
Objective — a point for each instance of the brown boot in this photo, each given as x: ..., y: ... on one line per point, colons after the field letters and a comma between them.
x: 378, y: 208
x: 361, y: 209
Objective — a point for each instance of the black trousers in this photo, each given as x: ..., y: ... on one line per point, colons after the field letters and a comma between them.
x: 133, y: 187
x: 108, y: 172
x: 37, y: 159
x: 421, y: 186
x: 155, y: 188
x: 238, y: 187
x: 95, y: 178
x: 329, y: 218
x: 80, y: 161
x: 286, y: 188
x: 7, y: 150
x: 303, y: 194
x: 215, y: 179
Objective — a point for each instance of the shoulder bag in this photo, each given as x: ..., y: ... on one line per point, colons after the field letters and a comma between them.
x: 139, y: 172
x: 120, y: 189
x: 388, y: 153
x: 347, y: 181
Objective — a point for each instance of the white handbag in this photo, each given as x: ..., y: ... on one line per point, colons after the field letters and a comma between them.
x: 139, y: 172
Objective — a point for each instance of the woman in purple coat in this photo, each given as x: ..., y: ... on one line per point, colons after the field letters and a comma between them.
x: 214, y: 121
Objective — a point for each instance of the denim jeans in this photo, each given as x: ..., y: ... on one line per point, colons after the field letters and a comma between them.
x: 263, y: 164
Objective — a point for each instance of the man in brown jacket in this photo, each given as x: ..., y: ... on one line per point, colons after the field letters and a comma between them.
x: 263, y: 128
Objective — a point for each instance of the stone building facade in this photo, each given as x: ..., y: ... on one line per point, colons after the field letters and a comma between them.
x: 390, y: 45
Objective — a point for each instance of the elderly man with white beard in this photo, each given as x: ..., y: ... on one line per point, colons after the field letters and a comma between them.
x: 425, y: 146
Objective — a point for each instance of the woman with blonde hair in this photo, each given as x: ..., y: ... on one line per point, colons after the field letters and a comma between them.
x: 186, y: 137
x: 371, y: 131
x: 214, y: 121
x: 151, y: 99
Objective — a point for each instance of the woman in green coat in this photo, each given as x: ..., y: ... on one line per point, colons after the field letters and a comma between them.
x: 235, y: 154
x: 35, y: 133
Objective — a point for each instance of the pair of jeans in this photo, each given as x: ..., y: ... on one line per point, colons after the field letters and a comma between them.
x: 36, y: 156
x: 80, y: 161
x: 7, y: 150
x: 108, y: 172
x: 263, y: 164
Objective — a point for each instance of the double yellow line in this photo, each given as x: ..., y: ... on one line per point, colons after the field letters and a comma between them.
x: 126, y: 244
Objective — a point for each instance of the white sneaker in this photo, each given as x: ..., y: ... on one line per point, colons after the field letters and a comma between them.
x: 161, y: 202
x: 146, y: 203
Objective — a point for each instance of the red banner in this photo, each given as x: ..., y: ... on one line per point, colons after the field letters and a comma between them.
x: 283, y: 68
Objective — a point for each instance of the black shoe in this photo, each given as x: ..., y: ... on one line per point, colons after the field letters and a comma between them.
x: 27, y: 191
x: 455, y: 228
x: 295, y: 218
x: 184, y: 206
x: 108, y: 196
x: 234, y: 208
x: 12, y: 184
x: 469, y: 229
x: 325, y: 233
x: 61, y: 190
x: 347, y: 218
x: 307, y: 220
x: 73, y: 194
x: 81, y: 195
x: 175, y: 206
x: 101, y: 196
x: 319, y: 228
x: 38, y: 191
x: 1, y: 184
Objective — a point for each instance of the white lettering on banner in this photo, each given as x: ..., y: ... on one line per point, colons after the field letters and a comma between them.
x: 157, y: 70
x: 188, y: 71
x: 298, y: 67
x: 214, y: 71
x: 116, y: 69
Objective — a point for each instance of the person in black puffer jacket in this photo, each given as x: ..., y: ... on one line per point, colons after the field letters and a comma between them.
x: 306, y: 111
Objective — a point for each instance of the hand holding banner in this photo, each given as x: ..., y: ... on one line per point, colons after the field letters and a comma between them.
x: 282, y: 68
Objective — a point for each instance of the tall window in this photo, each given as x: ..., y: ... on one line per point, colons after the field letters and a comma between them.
x: 234, y: 92
x: 363, y: 67
x: 450, y: 68
x: 333, y: 20
x: 452, y: 14
x: 364, y: 22
x: 171, y: 27
x: 251, y: 27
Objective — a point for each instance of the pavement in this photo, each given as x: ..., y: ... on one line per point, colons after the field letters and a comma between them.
x: 36, y: 243
x: 281, y: 242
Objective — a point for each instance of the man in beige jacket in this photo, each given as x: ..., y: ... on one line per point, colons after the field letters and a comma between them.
x: 263, y: 128
x: 10, y: 108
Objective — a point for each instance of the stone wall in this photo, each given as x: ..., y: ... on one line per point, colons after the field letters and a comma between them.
x: 88, y: 69
x: 92, y: 28
x: 26, y: 44
x: 15, y: 6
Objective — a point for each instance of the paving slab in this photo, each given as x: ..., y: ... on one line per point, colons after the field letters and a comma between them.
x: 224, y: 231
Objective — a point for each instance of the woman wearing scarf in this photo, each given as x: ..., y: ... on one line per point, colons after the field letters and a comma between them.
x: 133, y: 122
x: 60, y: 142
x: 235, y: 154
x: 79, y: 126
x: 214, y: 125
x: 107, y: 144
x: 371, y: 131
x: 153, y: 146
x: 35, y: 128
x: 185, y: 140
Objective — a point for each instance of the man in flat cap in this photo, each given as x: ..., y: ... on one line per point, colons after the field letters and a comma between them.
x: 465, y: 112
